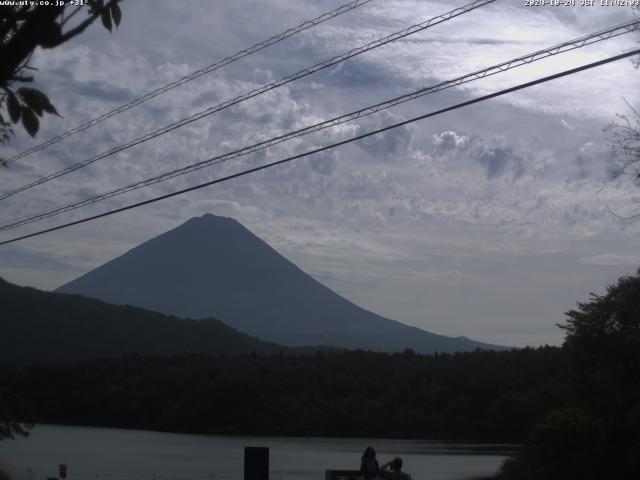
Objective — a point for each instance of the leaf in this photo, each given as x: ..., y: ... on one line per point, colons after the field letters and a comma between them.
x: 116, y: 13
x: 106, y: 19
x: 29, y: 121
x: 49, y: 108
x: 14, y: 108
x: 96, y: 6
x: 37, y: 101
x: 33, y: 98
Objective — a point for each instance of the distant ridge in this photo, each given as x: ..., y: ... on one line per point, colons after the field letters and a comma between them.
x: 212, y: 266
x: 39, y: 326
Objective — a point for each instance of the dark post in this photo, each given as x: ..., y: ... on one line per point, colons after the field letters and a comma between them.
x: 256, y: 463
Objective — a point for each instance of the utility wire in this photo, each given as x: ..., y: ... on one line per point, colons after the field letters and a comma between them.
x: 501, y: 67
x: 253, y: 93
x: 328, y: 147
x: 192, y: 76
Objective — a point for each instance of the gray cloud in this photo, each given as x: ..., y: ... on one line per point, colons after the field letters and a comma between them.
x: 495, y: 154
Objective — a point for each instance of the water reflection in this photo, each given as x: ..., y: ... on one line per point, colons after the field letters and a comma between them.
x: 115, y: 454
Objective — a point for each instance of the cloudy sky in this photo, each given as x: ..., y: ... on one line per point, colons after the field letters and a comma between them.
x: 489, y: 221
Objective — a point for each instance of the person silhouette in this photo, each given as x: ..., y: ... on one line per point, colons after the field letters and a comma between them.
x: 368, y: 464
x: 396, y: 472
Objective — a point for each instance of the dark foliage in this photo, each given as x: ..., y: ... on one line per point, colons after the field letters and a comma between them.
x: 481, y: 396
x: 24, y: 27
x: 13, y: 411
x: 597, y: 435
x: 42, y: 326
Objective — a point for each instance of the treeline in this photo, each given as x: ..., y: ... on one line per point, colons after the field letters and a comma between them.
x: 38, y: 326
x: 478, y: 396
x: 596, y: 435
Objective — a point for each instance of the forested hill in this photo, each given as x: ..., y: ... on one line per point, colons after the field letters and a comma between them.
x: 39, y: 326
x: 480, y: 396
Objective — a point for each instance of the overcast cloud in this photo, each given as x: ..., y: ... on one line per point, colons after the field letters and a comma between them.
x: 490, y: 221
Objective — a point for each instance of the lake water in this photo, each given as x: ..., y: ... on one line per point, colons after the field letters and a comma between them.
x: 116, y: 454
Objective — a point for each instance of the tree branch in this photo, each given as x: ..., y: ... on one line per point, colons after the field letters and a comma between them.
x: 82, y: 26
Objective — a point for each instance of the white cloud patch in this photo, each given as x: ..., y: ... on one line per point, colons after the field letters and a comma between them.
x: 447, y: 141
x: 495, y: 154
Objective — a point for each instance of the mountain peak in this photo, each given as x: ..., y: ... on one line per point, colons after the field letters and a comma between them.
x: 210, y: 218
x: 212, y: 266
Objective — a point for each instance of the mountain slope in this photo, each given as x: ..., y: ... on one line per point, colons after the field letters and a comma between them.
x: 213, y: 266
x: 43, y: 326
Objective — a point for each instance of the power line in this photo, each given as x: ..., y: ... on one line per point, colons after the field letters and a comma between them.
x: 328, y: 147
x: 501, y: 67
x: 253, y: 93
x: 192, y: 76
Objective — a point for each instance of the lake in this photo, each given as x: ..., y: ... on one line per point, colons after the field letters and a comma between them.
x: 118, y: 454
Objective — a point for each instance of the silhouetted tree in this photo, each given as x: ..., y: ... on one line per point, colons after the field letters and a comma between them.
x: 13, y: 416
x: 25, y: 27
x: 598, y: 435
x: 625, y: 141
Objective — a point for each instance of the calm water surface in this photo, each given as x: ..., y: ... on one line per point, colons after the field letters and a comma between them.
x: 116, y: 454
